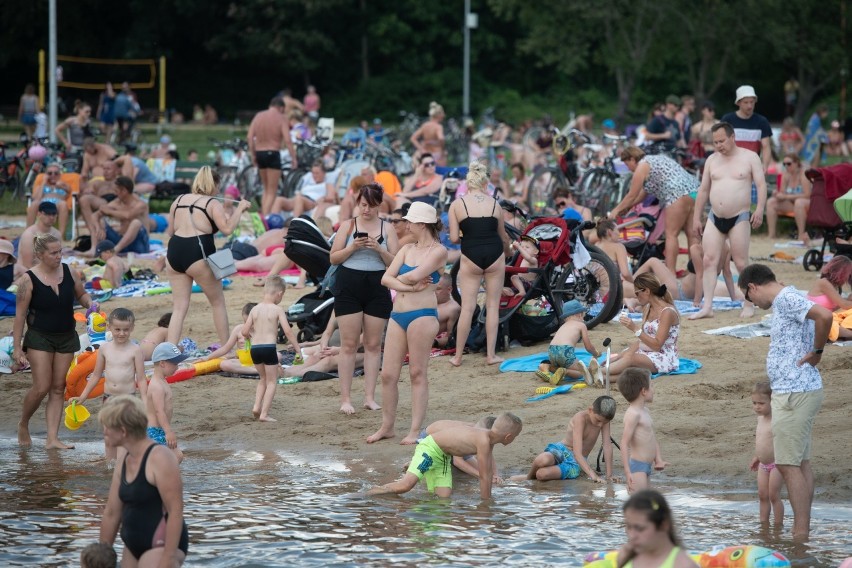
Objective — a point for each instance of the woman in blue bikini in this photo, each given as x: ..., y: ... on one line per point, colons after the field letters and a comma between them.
x: 414, y: 274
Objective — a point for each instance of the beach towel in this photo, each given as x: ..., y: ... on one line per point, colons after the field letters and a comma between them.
x: 530, y: 363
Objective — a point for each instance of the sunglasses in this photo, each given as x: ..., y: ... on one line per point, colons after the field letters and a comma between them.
x: 788, y: 163
x: 427, y: 164
x: 562, y: 204
x: 395, y: 221
x: 53, y: 173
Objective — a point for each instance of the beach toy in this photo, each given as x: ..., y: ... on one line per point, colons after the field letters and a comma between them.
x: 741, y: 556
x: 78, y: 375
x: 75, y: 415
x: 205, y: 367
x: 547, y: 392
x: 244, y: 355
x: 181, y: 375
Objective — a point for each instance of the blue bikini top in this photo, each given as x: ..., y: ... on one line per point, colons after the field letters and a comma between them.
x: 436, y: 276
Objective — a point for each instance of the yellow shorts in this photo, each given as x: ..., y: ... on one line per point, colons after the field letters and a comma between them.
x: 432, y: 463
x: 792, y: 421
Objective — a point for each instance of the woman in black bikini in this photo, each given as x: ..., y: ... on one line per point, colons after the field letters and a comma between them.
x: 476, y: 220
x: 364, y: 247
x: 193, y: 220
x: 146, y: 494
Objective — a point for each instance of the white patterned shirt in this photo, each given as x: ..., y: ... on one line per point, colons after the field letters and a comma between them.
x: 791, y: 338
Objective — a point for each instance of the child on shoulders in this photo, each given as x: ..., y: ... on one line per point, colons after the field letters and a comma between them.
x: 769, y: 480
x: 640, y: 452
x: 566, y: 459
x: 562, y: 362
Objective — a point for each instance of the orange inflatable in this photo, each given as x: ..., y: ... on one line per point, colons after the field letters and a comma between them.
x: 81, y: 368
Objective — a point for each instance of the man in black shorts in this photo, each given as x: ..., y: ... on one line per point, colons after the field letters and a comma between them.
x: 269, y: 130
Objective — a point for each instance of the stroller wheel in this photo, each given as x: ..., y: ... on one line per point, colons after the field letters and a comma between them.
x: 305, y: 335
x: 812, y: 260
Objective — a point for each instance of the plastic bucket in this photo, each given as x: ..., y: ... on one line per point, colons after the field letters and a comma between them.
x: 75, y: 416
x: 245, y: 357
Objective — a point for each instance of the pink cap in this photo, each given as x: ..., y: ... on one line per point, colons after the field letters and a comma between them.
x: 232, y: 191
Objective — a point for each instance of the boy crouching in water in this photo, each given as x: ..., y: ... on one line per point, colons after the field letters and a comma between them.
x: 120, y: 362
x: 562, y: 460
x: 433, y: 456
x: 769, y: 480
x: 158, y: 406
x: 262, y: 326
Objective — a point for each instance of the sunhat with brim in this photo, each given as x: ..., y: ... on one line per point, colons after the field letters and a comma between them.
x: 530, y: 238
x: 6, y: 247
x: 572, y: 308
x: 745, y: 91
x: 421, y: 213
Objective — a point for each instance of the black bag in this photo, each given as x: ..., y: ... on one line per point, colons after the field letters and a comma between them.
x: 241, y: 250
x: 83, y: 243
x: 478, y: 339
x: 530, y: 329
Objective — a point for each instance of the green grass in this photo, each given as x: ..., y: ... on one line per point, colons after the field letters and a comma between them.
x: 10, y: 206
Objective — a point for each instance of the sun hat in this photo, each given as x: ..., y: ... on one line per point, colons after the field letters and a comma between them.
x: 168, y: 352
x: 165, y: 139
x: 745, y: 91
x: 48, y: 207
x: 104, y: 246
x: 572, y: 308
x: 530, y: 238
x: 673, y: 100
x: 6, y: 247
x: 421, y: 213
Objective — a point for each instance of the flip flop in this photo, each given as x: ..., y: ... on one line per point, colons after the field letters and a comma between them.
x: 544, y: 376
x: 557, y: 376
x: 313, y: 376
x: 594, y: 370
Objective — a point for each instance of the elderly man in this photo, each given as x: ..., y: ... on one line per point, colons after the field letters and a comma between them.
x: 95, y: 155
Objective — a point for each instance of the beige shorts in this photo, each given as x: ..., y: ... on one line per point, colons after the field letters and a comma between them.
x: 792, y: 421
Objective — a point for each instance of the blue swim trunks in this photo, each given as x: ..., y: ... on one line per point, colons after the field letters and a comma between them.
x: 158, y: 435
x: 561, y: 355
x: 565, y: 460
x: 637, y: 466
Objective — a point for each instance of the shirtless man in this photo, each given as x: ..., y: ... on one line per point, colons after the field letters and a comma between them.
x: 95, y: 155
x: 290, y: 103
x: 448, y: 310
x: 430, y: 136
x: 96, y: 194
x: 728, y: 177
x: 132, y: 215
x: 270, y: 129
x: 45, y: 219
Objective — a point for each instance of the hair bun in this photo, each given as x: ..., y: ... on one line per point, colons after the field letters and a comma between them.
x: 661, y: 291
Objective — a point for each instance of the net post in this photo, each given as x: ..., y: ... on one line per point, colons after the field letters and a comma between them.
x: 162, y: 90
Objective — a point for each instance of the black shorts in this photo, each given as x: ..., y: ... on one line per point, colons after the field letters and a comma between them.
x: 109, y: 197
x: 361, y: 291
x: 68, y: 342
x: 268, y: 159
x: 264, y: 354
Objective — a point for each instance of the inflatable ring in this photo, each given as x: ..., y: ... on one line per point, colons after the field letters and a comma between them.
x: 740, y: 556
x: 77, y: 377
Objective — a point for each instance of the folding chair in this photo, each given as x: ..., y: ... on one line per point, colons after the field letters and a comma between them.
x: 73, y: 181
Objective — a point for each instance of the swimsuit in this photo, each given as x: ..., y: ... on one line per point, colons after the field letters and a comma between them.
x: 767, y: 467
x: 268, y: 159
x: 565, y: 459
x: 667, y: 180
x: 53, y: 194
x: 637, y: 466
x: 725, y: 224
x: 157, y: 434
x: 404, y: 269
x: 183, y: 252
x: 358, y: 281
x: 142, y: 516
x: 480, y: 241
x: 561, y: 355
x: 432, y: 197
x: 50, y: 316
x: 264, y: 354
x: 669, y: 562
x: 404, y: 319
x: 666, y: 359
x: 433, y: 463
x: 823, y: 301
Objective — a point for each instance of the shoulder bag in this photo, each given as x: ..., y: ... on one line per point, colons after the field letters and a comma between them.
x: 221, y: 262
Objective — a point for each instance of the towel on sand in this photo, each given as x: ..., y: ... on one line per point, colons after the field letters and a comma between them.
x: 530, y: 363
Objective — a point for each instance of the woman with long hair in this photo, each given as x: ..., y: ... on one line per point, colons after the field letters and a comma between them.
x: 476, y: 221
x: 793, y: 195
x: 826, y: 291
x: 651, y: 536
x: 363, y: 248
x: 45, y: 300
x: 193, y: 220
x: 414, y: 274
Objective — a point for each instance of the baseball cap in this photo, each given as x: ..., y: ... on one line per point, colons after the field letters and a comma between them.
x: 48, y: 207
x: 168, y: 352
x: 530, y: 238
x: 609, y: 123
x: 673, y: 100
x: 104, y: 246
x: 421, y: 213
x: 6, y: 247
x: 745, y: 91
x: 165, y: 139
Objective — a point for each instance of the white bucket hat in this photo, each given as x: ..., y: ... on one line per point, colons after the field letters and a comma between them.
x: 745, y: 91
x: 421, y: 213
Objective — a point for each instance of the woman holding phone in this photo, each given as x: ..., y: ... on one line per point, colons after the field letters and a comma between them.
x: 363, y: 248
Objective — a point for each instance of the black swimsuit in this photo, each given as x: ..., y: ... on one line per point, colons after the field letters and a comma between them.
x: 143, y: 519
x: 480, y: 242
x: 184, y: 251
x: 725, y: 224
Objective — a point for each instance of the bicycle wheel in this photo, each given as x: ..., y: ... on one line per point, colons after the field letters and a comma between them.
x: 249, y: 183
x: 597, y: 286
x: 544, y: 182
x: 292, y: 183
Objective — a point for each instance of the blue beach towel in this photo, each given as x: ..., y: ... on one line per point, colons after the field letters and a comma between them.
x: 530, y: 363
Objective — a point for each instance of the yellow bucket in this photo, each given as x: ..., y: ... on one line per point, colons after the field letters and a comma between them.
x: 245, y: 357
x: 75, y: 415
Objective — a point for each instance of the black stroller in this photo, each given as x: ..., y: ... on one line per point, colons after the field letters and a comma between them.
x: 308, y: 248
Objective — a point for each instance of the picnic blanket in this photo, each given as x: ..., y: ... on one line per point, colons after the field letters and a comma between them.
x: 530, y: 363
x: 686, y: 307
x: 139, y: 288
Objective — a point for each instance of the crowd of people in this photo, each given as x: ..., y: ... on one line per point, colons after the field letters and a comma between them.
x: 391, y: 305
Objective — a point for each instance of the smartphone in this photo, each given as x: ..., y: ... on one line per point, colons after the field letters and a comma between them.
x: 359, y: 235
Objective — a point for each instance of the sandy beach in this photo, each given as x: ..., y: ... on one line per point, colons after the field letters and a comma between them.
x: 704, y: 422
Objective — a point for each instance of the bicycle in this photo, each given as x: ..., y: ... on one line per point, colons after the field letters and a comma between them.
x: 547, y: 179
x: 602, y: 186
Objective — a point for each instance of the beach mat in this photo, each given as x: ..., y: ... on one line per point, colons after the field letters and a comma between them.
x: 286, y: 272
x: 530, y: 363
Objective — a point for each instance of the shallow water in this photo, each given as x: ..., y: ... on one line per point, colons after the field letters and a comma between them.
x: 247, y: 508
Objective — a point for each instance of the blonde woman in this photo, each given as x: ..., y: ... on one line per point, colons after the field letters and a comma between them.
x: 793, y: 195
x: 193, y: 220
x: 414, y: 274
x: 476, y: 221
x: 45, y: 300
x: 429, y: 138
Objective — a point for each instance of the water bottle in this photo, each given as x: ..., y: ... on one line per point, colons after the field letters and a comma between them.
x: 625, y: 313
x: 288, y: 380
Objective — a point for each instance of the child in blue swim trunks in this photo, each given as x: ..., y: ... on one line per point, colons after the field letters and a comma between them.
x: 562, y: 362
x: 640, y: 452
x: 560, y: 460
x: 433, y: 456
x: 158, y: 403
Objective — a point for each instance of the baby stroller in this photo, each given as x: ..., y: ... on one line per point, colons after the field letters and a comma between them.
x: 561, y: 276
x: 307, y: 247
x: 829, y: 184
x: 642, y: 231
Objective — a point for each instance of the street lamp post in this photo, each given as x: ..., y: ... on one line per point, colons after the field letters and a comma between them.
x: 471, y: 21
